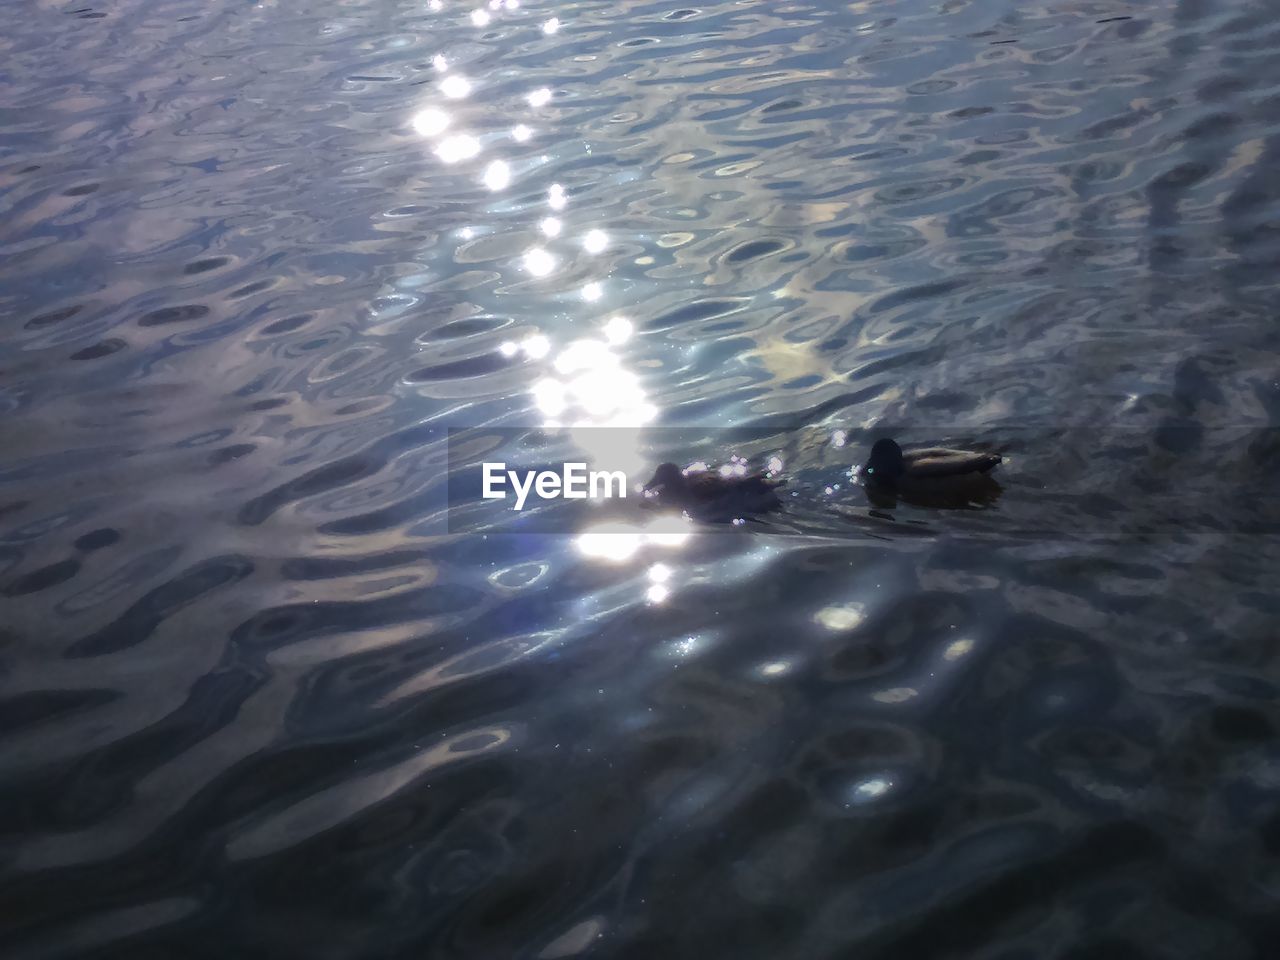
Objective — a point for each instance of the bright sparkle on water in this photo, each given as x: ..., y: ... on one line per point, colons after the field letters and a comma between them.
x: 535, y: 347
x: 659, y: 573
x: 497, y: 176
x: 592, y: 292
x: 549, y: 395
x: 459, y: 147
x: 538, y: 262
x: 550, y: 226
x: 617, y: 330
x: 869, y: 789
x: 520, y: 133
x: 621, y: 541
x: 583, y: 355
x: 609, y: 545
x: 556, y: 199
x: 657, y: 593
x: 540, y: 97
x: 430, y: 122
x: 551, y: 26
x: 455, y: 87
x: 595, y: 241
x: 480, y: 17
x: 440, y: 63
x: 847, y: 616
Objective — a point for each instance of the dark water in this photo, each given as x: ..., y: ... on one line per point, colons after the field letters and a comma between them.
x: 256, y: 700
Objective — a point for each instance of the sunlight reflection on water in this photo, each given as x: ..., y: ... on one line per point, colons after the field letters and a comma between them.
x: 260, y: 260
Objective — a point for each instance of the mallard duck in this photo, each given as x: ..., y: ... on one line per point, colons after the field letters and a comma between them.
x: 711, y: 495
x: 932, y: 475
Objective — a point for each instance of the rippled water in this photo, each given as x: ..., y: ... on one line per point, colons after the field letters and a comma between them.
x: 257, y: 700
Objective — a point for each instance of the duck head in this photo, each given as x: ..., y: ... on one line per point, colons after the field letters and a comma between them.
x: 667, y: 479
x: 885, y: 465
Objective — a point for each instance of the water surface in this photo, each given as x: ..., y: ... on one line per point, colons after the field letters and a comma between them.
x: 258, y: 696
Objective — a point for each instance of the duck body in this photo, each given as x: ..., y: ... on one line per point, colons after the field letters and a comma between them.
x: 935, y: 476
x: 712, y: 496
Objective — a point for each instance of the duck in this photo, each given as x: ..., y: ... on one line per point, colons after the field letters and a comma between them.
x: 930, y: 476
x: 711, y: 495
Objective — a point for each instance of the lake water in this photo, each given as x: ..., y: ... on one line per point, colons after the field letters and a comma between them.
x: 265, y: 691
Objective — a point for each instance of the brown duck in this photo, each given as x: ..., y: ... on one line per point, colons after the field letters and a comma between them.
x: 931, y: 475
x: 711, y: 496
